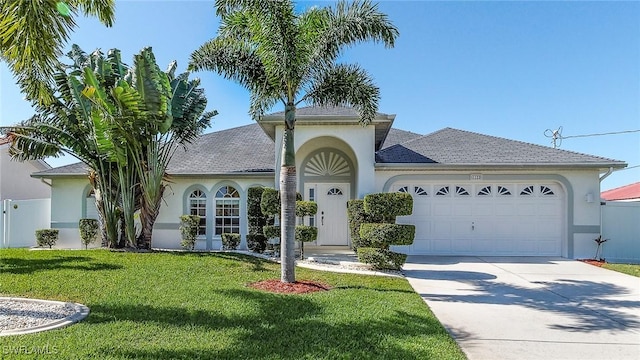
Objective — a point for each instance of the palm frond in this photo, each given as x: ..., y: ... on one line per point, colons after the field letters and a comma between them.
x: 346, y: 85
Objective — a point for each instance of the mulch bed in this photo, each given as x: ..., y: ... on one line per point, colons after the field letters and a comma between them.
x: 593, y: 262
x: 298, y: 287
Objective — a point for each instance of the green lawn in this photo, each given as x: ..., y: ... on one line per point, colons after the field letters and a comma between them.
x: 624, y: 268
x: 197, y: 306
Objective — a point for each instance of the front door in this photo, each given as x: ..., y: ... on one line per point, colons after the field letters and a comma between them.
x: 331, y: 218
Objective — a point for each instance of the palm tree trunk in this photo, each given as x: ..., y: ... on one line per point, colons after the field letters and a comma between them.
x: 288, y: 199
x: 148, y: 214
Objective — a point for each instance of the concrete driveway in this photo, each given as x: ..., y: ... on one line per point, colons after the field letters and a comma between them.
x: 531, y: 307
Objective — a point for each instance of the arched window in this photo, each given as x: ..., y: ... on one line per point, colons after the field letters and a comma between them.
x: 227, y: 211
x: 198, y: 206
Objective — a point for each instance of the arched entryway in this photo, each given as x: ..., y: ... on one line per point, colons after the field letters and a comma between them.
x: 328, y: 178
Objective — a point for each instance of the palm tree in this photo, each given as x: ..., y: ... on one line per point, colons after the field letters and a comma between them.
x: 33, y: 33
x: 282, y: 56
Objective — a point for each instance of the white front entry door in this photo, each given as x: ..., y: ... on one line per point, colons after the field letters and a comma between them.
x: 331, y: 218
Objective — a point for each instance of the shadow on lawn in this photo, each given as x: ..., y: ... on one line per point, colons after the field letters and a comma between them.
x: 29, y: 266
x: 256, y: 262
x: 280, y: 326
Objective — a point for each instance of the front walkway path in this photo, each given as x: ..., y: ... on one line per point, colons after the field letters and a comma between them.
x: 531, y: 308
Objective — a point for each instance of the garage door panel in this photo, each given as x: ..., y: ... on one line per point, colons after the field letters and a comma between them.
x: 504, y: 209
x: 502, y: 219
x: 442, y: 209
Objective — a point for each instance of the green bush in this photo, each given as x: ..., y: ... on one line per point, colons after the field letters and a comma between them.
x: 306, y: 233
x: 270, y: 202
x: 381, y: 258
x: 256, y: 242
x: 47, y: 237
x: 189, y: 225
x: 230, y: 241
x: 357, y: 216
x: 89, y: 229
x: 388, y: 205
x: 306, y: 208
x: 383, y: 235
x: 271, y: 231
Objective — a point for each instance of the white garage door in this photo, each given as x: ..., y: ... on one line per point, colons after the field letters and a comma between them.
x: 502, y: 219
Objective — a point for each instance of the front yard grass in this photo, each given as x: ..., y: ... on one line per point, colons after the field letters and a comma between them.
x: 197, y: 306
x: 630, y: 269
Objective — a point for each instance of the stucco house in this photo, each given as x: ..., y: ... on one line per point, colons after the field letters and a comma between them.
x: 16, y: 182
x: 473, y: 194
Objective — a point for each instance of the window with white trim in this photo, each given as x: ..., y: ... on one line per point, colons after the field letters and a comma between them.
x: 485, y: 191
x: 198, y: 206
x: 461, y: 191
x: 503, y: 191
x: 443, y: 191
x: 546, y: 191
x: 420, y: 191
x: 527, y: 191
x: 404, y: 189
x: 227, y: 211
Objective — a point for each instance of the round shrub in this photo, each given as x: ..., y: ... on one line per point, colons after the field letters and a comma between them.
x: 388, y: 205
x: 256, y: 242
x: 306, y: 208
x: 88, y: 231
x: 47, y: 237
x: 230, y: 241
x: 306, y: 233
x: 381, y: 258
x: 383, y: 235
x: 271, y: 231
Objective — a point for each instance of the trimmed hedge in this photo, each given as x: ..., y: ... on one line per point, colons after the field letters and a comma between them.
x: 381, y: 258
x: 357, y: 216
x: 306, y: 233
x: 256, y: 220
x: 388, y: 205
x: 383, y: 235
x: 189, y: 225
x: 271, y: 231
x: 89, y: 229
x: 270, y: 202
x: 306, y: 208
x: 47, y: 237
x: 256, y: 242
x: 230, y: 241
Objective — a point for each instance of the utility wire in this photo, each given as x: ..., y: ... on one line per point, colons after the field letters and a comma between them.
x: 557, y: 137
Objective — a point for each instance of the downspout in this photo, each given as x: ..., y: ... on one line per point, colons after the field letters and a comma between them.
x: 602, y: 203
x: 606, y: 174
x: 44, y: 182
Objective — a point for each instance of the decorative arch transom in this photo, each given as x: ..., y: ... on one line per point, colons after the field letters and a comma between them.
x: 327, y: 163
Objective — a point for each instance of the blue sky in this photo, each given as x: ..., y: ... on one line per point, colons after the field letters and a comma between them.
x: 508, y: 69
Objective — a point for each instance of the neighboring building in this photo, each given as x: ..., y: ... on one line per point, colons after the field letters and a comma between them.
x: 629, y: 192
x: 473, y: 194
x: 16, y: 182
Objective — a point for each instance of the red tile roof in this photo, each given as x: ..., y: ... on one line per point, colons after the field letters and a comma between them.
x: 627, y: 192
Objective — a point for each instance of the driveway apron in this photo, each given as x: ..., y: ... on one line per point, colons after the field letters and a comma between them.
x: 531, y: 307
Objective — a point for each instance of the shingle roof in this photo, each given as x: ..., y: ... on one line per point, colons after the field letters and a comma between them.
x: 247, y: 149
x: 237, y: 150
x: 627, y: 192
x: 458, y: 147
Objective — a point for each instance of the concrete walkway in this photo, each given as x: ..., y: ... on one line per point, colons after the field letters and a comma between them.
x: 531, y: 308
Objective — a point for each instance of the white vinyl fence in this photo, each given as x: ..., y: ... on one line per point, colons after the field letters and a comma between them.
x: 621, y: 225
x: 21, y: 219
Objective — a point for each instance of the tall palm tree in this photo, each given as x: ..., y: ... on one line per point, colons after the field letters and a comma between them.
x: 33, y: 33
x: 282, y: 56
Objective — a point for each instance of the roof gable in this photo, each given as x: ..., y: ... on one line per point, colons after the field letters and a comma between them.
x: 458, y: 147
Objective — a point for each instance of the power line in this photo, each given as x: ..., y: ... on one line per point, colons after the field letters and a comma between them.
x: 557, y: 137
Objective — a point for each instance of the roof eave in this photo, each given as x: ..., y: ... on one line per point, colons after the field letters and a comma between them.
x: 176, y: 175
x: 527, y: 166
